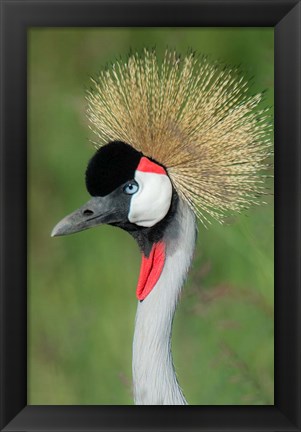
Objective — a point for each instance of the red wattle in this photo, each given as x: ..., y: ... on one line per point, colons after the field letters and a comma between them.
x: 150, y: 271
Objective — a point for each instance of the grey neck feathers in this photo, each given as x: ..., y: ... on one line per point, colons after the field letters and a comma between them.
x: 154, y: 377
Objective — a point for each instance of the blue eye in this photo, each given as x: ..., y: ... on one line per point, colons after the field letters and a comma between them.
x: 130, y: 188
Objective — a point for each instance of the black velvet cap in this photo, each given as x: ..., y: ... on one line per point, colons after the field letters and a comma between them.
x: 111, y: 166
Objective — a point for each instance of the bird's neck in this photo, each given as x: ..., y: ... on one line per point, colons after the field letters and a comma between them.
x: 154, y: 377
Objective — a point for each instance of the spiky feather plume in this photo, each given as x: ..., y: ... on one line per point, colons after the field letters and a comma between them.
x: 195, y: 118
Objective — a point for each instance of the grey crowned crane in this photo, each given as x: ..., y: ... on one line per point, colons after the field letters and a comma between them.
x: 176, y: 141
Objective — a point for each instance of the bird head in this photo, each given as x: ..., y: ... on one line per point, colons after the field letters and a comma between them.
x: 191, y: 128
x: 128, y: 190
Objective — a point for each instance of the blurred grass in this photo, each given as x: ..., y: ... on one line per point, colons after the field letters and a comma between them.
x: 81, y: 299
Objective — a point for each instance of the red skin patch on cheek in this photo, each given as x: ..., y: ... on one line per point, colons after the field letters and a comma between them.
x: 150, y: 271
x: 146, y: 165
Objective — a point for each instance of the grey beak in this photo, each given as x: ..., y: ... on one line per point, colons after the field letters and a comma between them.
x: 96, y: 211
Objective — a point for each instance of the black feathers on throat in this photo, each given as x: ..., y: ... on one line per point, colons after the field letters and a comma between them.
x: 111, y: 166
x: 146, y: 237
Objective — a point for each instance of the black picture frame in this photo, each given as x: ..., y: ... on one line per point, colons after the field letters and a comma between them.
x: 16, y: 18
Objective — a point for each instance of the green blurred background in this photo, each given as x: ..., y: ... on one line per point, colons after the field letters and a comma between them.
x: 81, y: 301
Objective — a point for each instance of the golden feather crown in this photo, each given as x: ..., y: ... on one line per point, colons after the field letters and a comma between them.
x: 194, y: 117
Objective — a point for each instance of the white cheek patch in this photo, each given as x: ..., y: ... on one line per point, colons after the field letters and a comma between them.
x: 152, y: 201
